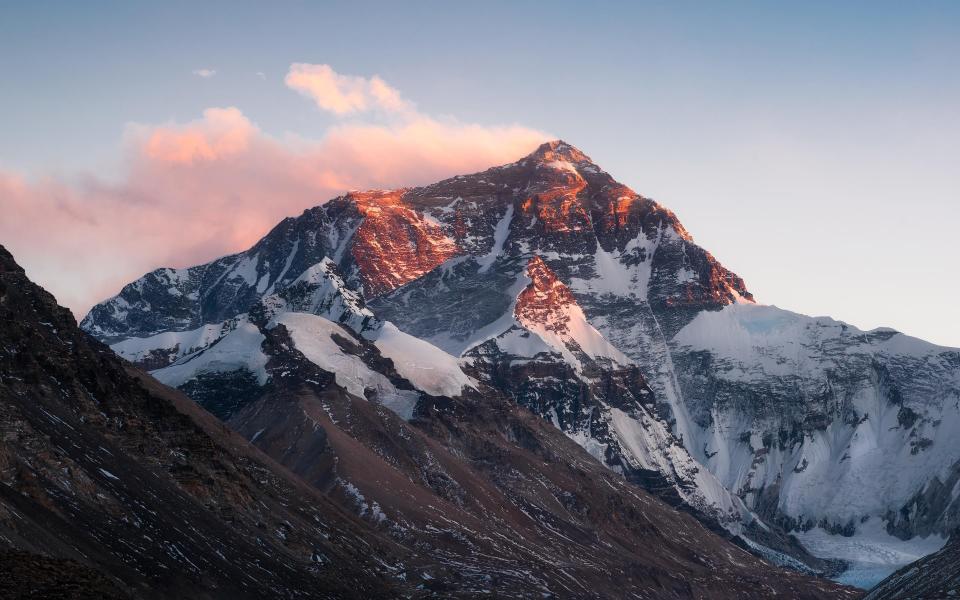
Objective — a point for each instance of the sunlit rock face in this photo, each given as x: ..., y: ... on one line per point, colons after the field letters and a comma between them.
x: 594, y: 307
x: 394, y: 244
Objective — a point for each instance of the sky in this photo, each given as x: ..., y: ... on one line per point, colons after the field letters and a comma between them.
x: 813, y: 148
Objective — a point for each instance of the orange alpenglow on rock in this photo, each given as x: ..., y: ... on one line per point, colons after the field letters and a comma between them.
x: 544, y: 300
x: 394, y: 244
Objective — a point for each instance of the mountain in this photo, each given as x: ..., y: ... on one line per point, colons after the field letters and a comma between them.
x: 116, y: 486
x: 590, y: 305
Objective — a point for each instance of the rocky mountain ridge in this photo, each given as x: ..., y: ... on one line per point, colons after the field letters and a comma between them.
x: 115, y: 486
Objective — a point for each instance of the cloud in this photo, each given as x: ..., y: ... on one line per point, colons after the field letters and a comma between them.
x: 204, y: 73
x: 221, y: 132
x: 344, y: 94
x: 197, y: 190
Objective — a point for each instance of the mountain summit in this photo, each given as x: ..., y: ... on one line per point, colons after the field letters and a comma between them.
x: 559, y: 150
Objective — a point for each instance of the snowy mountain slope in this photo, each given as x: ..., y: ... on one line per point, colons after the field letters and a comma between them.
x: 547, y: 309
x: 551, y: 360
x: 166, y: 348
x: 372, y: 237
x: 237, y: 349
x: 851, y: 425
x: 427, y: 367
x: 224, y: 365
x: 321, y: 291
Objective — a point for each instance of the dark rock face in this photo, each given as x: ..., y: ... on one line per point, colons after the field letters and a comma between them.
x: 933, y: 577
x: 223, y: 394
x: 26, y: 575
x: 393, y: 243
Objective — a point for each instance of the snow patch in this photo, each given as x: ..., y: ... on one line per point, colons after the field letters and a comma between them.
x: 177, y: 343
x: 238, y: 349
x: 500, y: 234
x: 108, y: 474
x: 246, y: 269
x: 313, y: 336
x: 562, y: 165
x: 427, y: 367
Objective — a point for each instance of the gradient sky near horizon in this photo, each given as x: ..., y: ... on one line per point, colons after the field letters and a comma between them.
x: 814, y: 148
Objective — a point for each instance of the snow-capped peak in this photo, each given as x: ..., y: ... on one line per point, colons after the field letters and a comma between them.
x: 558, y: 151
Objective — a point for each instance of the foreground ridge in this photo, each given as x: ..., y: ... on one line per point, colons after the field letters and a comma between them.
x: 129, y: 485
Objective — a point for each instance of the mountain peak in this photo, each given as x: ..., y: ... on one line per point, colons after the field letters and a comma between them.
x: 558, y: 150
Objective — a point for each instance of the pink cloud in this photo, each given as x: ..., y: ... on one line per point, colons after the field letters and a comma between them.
x: 344, y: 94
x: 194, y: 191
x: 221, y: 132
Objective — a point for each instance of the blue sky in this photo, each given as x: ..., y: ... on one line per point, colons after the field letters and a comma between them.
x: 812, y: 148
